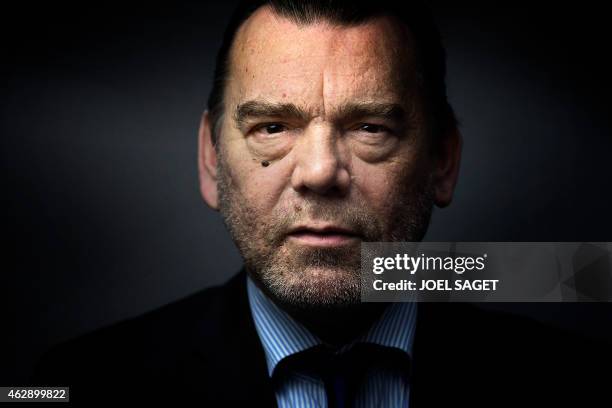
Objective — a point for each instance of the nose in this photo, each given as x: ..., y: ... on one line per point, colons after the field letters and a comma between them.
x: 321, y: 165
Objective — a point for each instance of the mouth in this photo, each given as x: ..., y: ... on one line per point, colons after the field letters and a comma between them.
x: 323, y: 235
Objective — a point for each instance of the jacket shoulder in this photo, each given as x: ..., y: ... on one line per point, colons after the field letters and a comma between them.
x: 161, y: 346
x: 460, y: 345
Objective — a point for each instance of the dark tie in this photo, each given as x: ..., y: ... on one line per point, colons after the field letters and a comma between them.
x: 343, y: 373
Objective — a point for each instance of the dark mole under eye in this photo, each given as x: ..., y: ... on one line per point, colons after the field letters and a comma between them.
x: 265, y: 163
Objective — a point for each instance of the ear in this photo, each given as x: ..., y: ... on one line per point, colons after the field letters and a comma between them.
x: 448, y: 158
x: 207, y: 163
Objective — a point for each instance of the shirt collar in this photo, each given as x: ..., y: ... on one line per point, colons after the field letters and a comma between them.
x: 282, y: 336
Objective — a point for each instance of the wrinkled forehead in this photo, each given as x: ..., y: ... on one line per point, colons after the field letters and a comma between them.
x: 275, y: 58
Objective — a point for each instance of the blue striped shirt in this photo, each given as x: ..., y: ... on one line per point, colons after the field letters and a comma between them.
x: 282, y: 336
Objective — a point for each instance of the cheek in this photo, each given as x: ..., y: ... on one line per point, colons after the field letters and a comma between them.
x: 376, y: 186
x: 380, y: 183
x: 259, y: 187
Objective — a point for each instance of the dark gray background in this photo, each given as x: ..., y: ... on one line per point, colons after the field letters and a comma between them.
x: 102, y: 217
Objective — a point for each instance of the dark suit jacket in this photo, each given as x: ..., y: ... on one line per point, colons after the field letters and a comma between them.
x: 204, y: 349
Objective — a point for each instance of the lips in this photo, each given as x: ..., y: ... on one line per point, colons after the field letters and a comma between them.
x: 323, y: 235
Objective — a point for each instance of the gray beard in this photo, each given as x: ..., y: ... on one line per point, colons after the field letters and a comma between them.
x: 292, y: 276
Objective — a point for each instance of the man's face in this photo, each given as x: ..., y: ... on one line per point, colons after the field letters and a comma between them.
x: 335, y: 115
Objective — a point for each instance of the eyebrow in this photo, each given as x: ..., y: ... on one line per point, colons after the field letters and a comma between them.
x: 356, y: 110
x: 258, y: 109
x: 350, y: 111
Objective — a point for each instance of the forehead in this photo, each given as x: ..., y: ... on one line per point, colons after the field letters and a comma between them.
x: 274, y: 58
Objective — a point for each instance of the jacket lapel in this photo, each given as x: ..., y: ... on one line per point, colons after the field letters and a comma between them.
x: 229, y: 356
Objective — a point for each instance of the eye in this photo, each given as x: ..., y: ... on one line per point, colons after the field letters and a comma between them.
x: 272, y: 128
x: 371, y: 128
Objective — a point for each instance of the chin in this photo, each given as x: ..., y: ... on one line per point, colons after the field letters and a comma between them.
x: 315, y: 287
x: 325, y: 274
